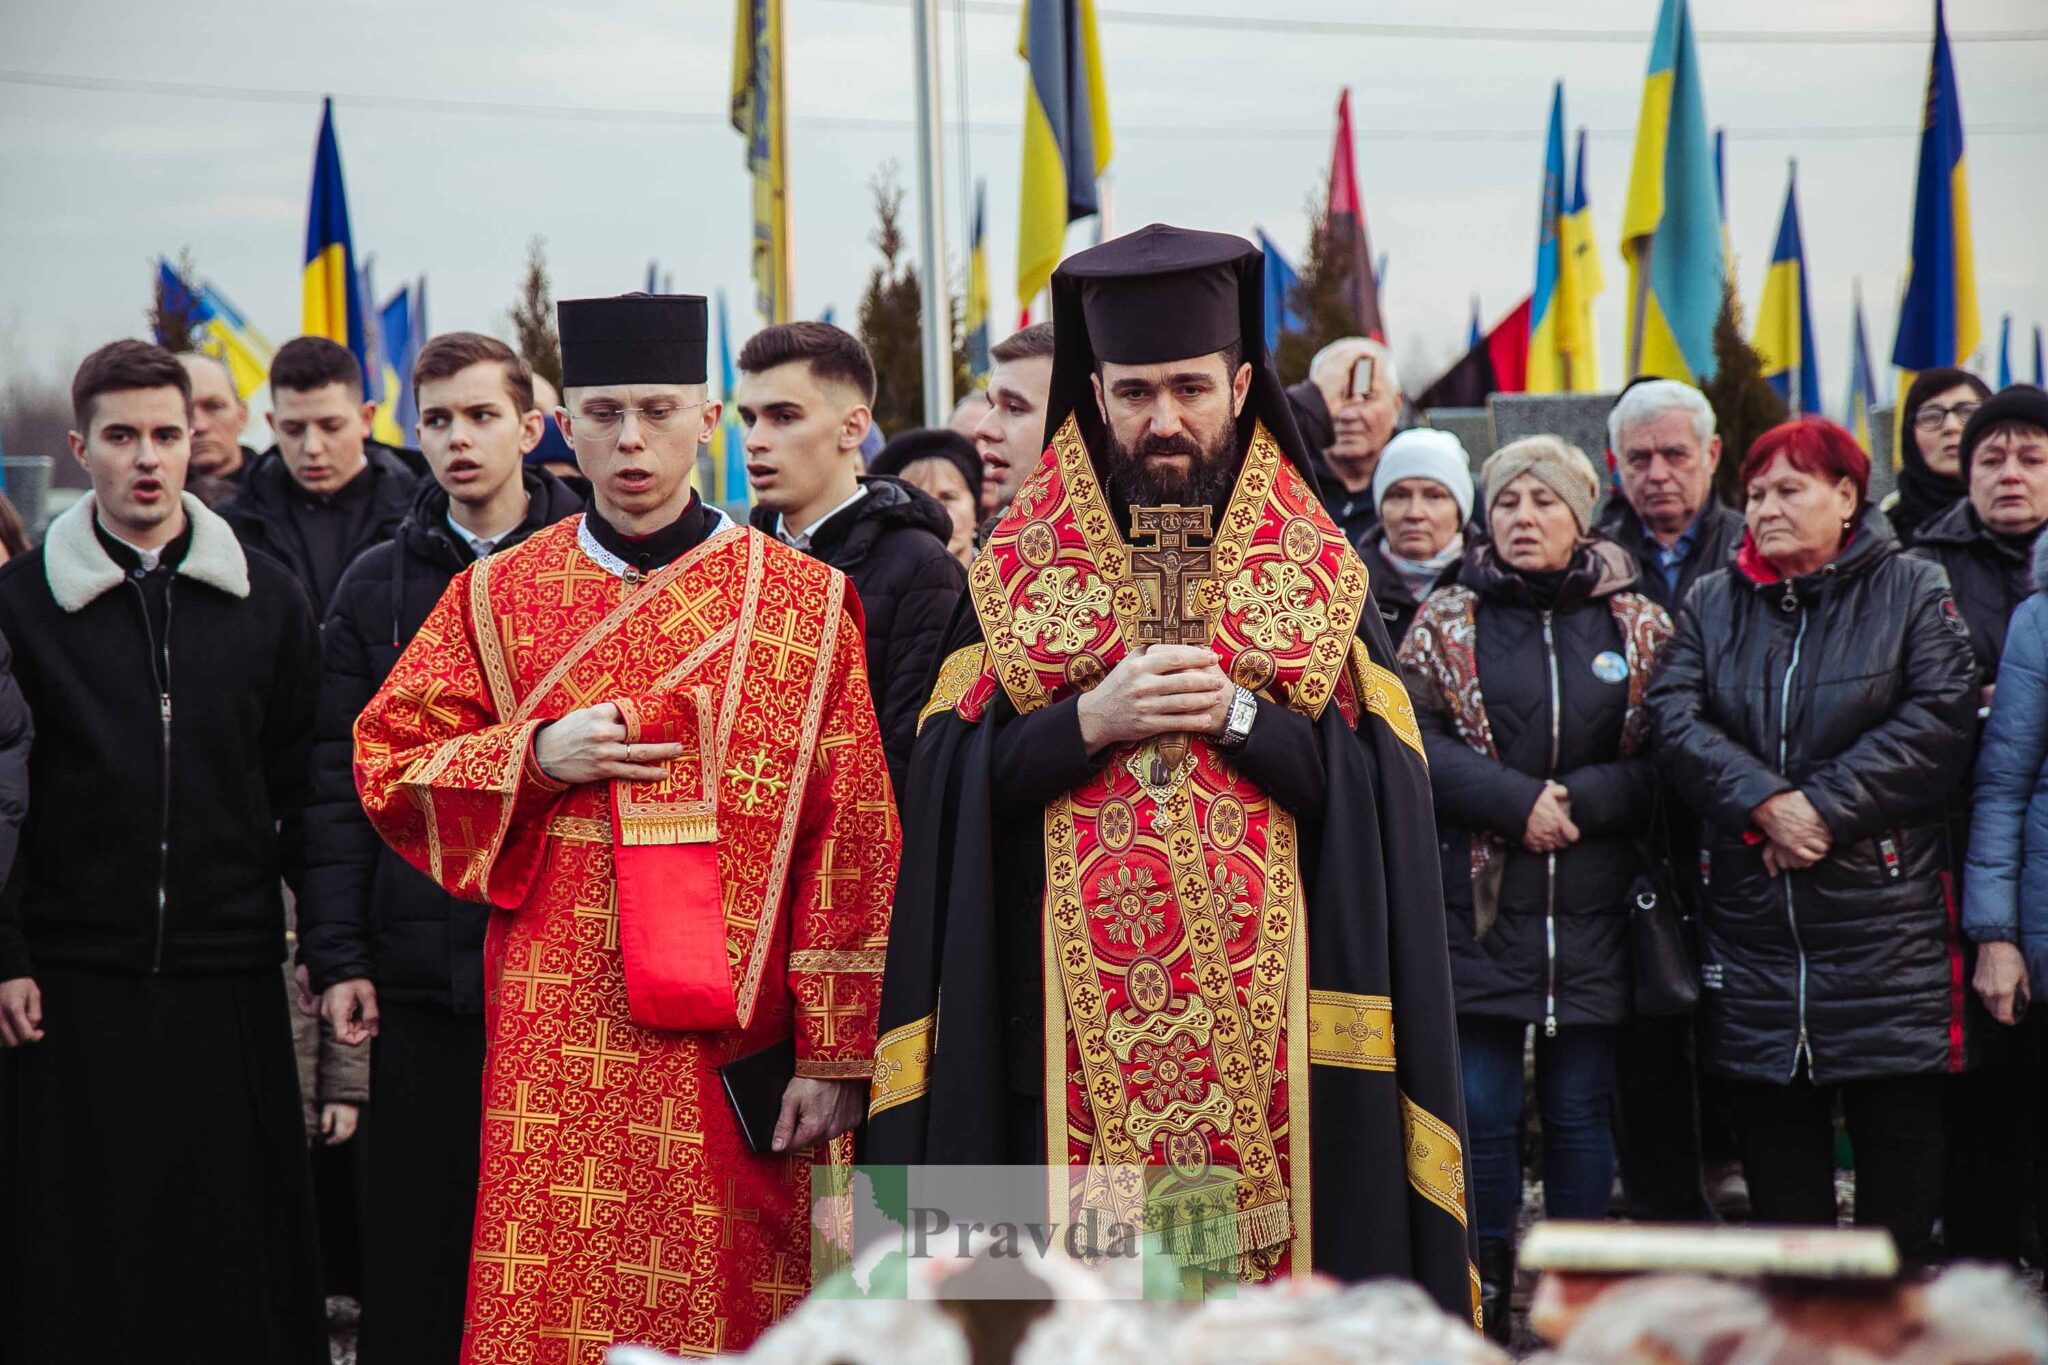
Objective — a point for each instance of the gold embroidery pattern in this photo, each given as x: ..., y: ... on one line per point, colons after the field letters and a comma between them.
x: 843, y: 960
x: 1436, y: 1162
x: 902, y: 1070
x: 1386, y: 696
x: 1059, y: 608
x: 1351, y: 1030
x: 1279, y: 604
x: 491, y: 647
x: 958, y: 673
x: 580, y: 829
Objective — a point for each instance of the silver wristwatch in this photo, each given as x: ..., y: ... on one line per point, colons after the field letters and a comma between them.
x: 1237, y: 728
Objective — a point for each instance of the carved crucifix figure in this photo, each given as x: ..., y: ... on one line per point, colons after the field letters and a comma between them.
x: 1175, y: 567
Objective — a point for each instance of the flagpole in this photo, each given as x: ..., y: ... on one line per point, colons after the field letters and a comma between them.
x: 1642, y: 279
x: 931, y: 157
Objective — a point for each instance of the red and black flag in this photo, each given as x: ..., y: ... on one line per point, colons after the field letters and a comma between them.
x: 1345, y: 224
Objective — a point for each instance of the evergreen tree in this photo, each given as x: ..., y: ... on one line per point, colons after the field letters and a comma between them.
x: 891, y: 318
x: 170, y: 320
x: 1745, y: 404
x: 1319, y: 299
x: 532, y: 317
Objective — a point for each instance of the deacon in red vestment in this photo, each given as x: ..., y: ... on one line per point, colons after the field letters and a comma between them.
x: 645, y: 734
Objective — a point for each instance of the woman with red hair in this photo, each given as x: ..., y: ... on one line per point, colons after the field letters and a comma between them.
x: 1815, y: 707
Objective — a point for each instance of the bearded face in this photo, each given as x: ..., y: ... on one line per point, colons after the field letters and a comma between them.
x: 1172, y: 429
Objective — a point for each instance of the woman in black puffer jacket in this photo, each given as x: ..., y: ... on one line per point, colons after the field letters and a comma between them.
x: 1816, y: 708
x: 1528, y: 679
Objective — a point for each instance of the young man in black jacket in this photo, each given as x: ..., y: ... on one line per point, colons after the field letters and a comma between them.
x: 326, y: 492
x: 393, y: 955
x: 803, y: 398
x: 152, y: 1159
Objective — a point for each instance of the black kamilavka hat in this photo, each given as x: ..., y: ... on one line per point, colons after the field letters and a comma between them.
x: 633, y: 339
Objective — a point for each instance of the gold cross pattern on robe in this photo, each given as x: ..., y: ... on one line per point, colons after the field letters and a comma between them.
x: 1173, y: 566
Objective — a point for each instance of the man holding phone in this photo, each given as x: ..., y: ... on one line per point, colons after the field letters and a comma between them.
x: 1347, y: 409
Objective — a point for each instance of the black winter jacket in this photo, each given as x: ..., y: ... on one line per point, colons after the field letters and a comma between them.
x: 366, y: 912
x: 1519, y: 970
x: 164, y: 814
x: 1988, y: 574
x: 892, y: 545
x: 1855, y: 686
x: 17, y: 735
x: 260, y: 512
x: 1721, y: 533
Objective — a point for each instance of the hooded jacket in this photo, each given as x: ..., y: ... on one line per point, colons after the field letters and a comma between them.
x: 1853, y: 685
x: 1987, y: 572
x: 365, y: 911
x: 892, y: 545
x: 2005, y: 895
x: 1554, y: 686
x: 261, y: 512
x: 170, y: 760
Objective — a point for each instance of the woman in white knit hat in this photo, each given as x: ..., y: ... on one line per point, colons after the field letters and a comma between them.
x: 1422, y: 495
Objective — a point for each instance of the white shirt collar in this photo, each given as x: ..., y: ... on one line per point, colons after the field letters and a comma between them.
x: 802, y: 541
x: 478, y: 545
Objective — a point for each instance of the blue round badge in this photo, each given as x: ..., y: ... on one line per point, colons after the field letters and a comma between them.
x: 1610, y: 667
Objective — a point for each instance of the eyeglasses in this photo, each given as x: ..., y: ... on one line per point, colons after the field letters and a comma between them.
x: 603, y: 420
x: 1932, y: 416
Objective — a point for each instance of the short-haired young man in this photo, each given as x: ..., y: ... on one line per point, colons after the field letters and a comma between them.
x: 325, y: 492
x: 396, y: 957
x: 803, y: 401
x: 1011, y: 435
x: 152, y: 1159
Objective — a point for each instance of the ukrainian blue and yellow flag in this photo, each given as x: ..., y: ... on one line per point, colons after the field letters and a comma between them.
x: 975, y: 311
x: 1862, y: 383
x: 722, y: 479
x: 1561, y: 340
x: 333, y: 295
x: 400, y: 346
x: 1549, y: 368
x: 1938, y: 322
x: 1582, y: 256
x: 1784, y: 320
x: 1067, y: 140
x: 218, y: 328
x: 1670, y: 228
x: 757, y: 115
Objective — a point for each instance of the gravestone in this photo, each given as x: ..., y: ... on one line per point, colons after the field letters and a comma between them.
x: 1580, y: 418
x: 1472, y: 426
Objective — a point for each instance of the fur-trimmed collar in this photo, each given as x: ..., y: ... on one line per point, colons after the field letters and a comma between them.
x: 79, y: 568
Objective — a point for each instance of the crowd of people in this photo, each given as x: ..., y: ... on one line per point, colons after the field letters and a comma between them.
x: 1817, y: 723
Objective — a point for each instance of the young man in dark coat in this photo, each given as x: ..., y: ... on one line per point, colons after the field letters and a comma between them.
x: 395, y: 957
x: 803, y: 400
x: 152, y: 1160
x: 326, y: 492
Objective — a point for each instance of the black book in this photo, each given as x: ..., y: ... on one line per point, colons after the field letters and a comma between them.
x: 755, y: 1083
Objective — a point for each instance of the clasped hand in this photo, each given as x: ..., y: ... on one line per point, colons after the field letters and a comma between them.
x: 1550, y: 826
x: 1798, y: 837
x: 1160, y: 690
x: 590, y: 746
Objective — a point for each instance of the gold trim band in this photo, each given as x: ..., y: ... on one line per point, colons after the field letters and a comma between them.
x: 1356, y: 1031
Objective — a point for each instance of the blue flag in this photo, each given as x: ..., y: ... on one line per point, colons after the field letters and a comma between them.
x: 1281, y: 280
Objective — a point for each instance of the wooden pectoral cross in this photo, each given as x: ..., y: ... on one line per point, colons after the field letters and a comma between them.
x: 1175, y: 566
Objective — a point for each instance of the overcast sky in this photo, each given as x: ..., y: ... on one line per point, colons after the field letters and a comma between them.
x: 603, y: 130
